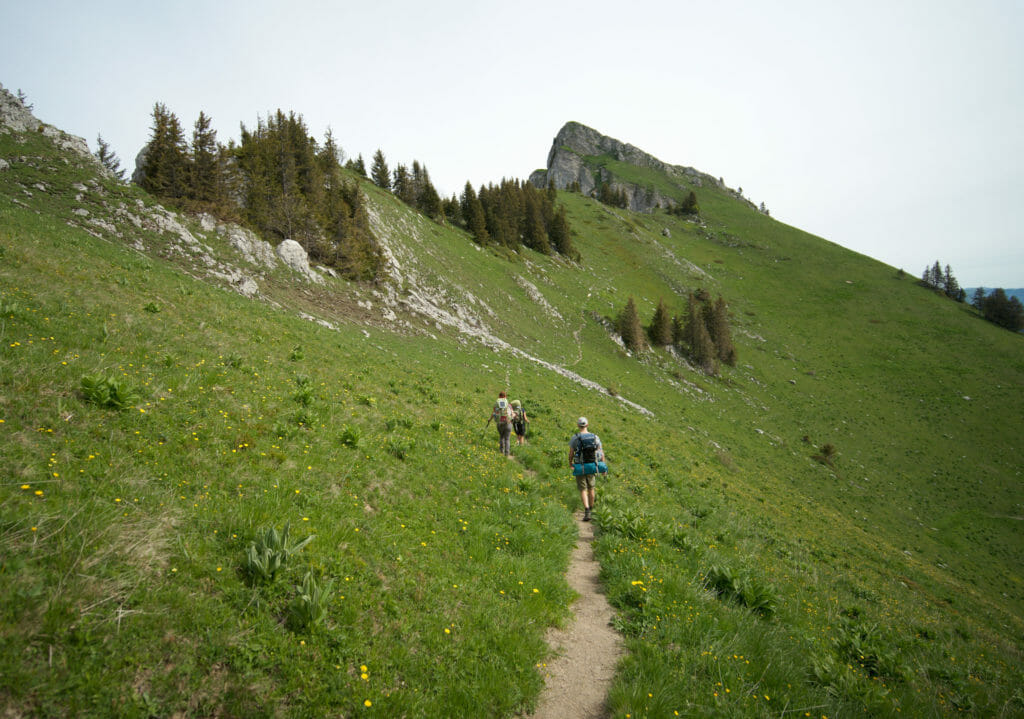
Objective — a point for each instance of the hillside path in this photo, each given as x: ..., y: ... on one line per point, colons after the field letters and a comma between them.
x: 587, y: 650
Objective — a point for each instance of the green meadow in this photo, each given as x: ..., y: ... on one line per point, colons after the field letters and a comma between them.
x: 217, y: 506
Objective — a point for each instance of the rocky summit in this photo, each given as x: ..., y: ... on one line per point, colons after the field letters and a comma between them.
x: 580, y: 154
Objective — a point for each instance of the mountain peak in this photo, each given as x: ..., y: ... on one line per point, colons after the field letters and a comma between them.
x: 581, y: 154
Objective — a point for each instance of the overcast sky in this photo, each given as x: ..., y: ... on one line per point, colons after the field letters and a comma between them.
x: 894, y: 128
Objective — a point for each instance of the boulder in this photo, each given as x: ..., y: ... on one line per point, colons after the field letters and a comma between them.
x: 293, y: 255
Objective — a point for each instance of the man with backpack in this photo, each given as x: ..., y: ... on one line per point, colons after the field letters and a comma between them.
x: 502, y: 416
x: 586, y: 455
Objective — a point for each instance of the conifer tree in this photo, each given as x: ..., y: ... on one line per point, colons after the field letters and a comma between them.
x: 950, y: 286
x: 402, y: 185
x: 357, y: 165
x: 473, y: 214
x: 379, y: 172
x: 1004, y: 310
x: 660, y: 329
x: 688, y: 338
x: 703, y: 349
x: 451, y: 210
x: 427, y: 200
x: 689, y: 205
x: 721, y: 334
x: 629, y: 327
x: 534, y: 234
x: 978, y: 300
x: 205, y: 165
x: 108, y: 158
x: 560, y: 235
x: 165, y: 167
x: 677, y: 330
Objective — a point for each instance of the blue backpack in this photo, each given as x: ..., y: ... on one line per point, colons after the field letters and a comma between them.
x: 586, y: 454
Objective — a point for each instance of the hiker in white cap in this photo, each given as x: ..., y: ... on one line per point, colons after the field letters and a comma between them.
x: 585, y: 452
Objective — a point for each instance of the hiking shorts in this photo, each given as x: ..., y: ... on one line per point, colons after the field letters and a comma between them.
x: 586, y: 481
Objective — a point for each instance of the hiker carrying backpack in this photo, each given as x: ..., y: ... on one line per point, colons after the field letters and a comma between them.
x: 519, y: 421
x: 502, y: 416
x: 586, y: 455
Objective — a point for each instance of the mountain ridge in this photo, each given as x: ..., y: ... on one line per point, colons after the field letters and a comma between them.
x: 579, y: 157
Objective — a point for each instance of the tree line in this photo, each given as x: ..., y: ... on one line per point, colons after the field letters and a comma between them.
x: 1000, y: 308
x: 943, y: 281
x: 278, y: 180
x: 703, y: 332
x: 510, y: 214
x: 996, y: 307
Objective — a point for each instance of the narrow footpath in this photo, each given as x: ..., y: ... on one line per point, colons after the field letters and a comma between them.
x: 587, y: 650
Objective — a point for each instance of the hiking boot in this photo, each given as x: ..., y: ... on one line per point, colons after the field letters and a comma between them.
x: 586, y: 514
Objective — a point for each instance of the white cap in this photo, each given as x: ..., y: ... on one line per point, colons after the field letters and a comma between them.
x: 581, y: 422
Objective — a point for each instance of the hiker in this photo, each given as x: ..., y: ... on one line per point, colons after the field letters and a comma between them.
x: 519, y: 421
x: 502, y: 416
x: 586, y: 455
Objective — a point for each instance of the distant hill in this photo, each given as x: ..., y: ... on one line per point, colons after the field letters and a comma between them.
x: 235, y: 483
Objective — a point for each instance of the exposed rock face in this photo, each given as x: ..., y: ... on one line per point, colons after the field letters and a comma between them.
x: 575, y: 157
x: 15, y: 117
x: 139, y: 173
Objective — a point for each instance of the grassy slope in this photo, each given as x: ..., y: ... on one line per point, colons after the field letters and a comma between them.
x: 895, y: 576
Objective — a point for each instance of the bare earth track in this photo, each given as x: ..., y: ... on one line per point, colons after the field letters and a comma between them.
x: 587, y: 650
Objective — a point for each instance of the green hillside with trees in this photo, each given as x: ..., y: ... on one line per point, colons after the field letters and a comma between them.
x: 284, y: 502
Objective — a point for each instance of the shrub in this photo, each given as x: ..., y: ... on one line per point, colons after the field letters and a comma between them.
x: 827, y: 455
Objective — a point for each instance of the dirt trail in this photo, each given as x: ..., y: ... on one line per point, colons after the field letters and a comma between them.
x: 587, y: 650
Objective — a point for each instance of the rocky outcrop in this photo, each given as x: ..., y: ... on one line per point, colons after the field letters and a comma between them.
x: 579, y: 154
x: 293, y: 255
x: 15, y: 117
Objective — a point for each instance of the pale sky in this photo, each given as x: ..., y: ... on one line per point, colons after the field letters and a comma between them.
x: 894, y: 128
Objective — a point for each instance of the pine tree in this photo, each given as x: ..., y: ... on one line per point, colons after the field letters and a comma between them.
x: 205, y: 165
x: 108, y: 158
x: 284, y: 180
x: 721, y: 334
x: 950, y: 286
x: 166, y: 168
x: 402, y: 185
x: 978, y: 300
x: 660, y: 329
x: 629, y: 327
x: 427, y: 200
x: 473, y: 213
x: 688, y: 337
x: 678, y: 325
x: 560, y: 235
x: 689, y: 205
x: 451, y: 209
x: 357, y: 165
x: 535, y: 235
x: 703, y: 349
x: 379, y: 172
